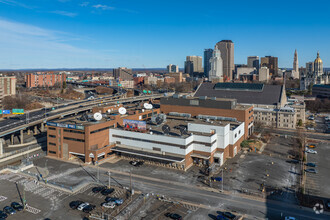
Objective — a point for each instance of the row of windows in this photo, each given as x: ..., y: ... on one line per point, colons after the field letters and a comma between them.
x: 102, y: 129
x: 74, y: 131
x: 73, y: 139
x: 50, y: 143
x: 52, y: 152
x: 51, y: 128
x: 52, y: 136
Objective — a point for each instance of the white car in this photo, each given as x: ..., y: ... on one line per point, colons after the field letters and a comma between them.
x: 311, y: 151
x: 110, y: 205
x: 82, y: 206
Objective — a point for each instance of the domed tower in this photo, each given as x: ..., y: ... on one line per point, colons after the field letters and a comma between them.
x: 318, y: 65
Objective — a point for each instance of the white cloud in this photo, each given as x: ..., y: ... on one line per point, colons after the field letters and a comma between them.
x: 28, y: 46
x: 103, y: 7
x: 65, y: 13
x: 15, y: 3
x: 84, y: 4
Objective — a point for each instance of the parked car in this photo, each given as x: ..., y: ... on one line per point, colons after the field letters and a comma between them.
x: 294, y: 161
x: 221, y: 217
x: 219, y: 179
x: 16, y: 206
x: 136, y: 163
x: 311, y: 117
x: 82, y: 206
x: 229, y: 215
x: 116, y: 200
x: 289, y: 218
x: 9, y: 210
x: 98, y: 189
x: 173, y: 216
x: 88, y: 208
x: 107, y: 191
x: 75, y: 204
x: 109, y: 205
x: 311, y: 170
x: 3, y: 215
x: 311, y: 151
x: 310, y: 129
x: 311, y: 164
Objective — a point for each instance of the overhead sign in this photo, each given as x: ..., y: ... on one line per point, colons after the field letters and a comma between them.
x: 18, y: 111
x: 135, y: 124
x: 0, y: 112
x: 6, y: 112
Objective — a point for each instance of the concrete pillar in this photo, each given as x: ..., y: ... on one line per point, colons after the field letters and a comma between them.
x: 35, y: 130
x: 12, y: 139
x: 42, y: 127
x: 22, y: 136
x: 1, y: 146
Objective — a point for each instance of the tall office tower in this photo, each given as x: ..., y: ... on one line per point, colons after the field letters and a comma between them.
x: 253, y: 61
x: 207, y: 65
x: 309, y: 67
x: 226, y: 48
x: 216, y: 71
x: 123, y: 73
x: 193, y: 64
x: 295, y: 70
x: 271, y: 63
x: 172, y: 68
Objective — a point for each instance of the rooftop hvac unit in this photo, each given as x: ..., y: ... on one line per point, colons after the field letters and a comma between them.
x: 202, y: 97
x: 214, y: 98
x: 176, y: 96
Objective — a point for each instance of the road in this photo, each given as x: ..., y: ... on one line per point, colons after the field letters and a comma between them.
x: 313, y: 135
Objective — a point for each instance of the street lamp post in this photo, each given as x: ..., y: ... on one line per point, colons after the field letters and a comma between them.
x: 222, y: 180
x: 109, y: 178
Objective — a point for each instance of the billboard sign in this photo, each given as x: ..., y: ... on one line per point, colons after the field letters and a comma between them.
x: 18, y: 111
x: 0, y: 112
x: 62, y: 125
x: 6, y: 112
x: 135, y: 124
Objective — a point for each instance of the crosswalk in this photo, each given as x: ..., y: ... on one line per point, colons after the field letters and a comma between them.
x: 190, y: 207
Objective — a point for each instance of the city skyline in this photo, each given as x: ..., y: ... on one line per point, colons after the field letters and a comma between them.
x: 103, y: 34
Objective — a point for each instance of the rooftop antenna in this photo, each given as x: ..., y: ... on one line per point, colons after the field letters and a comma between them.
x: 166, y: 129
x: 122, y: 110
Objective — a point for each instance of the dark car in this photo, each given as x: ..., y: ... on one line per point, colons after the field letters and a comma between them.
x: 16, y: 206
x: 294, y: 161
x: 229, y: 215
x: 107, y: 191
x: 311, y: 164
x: 98, y: 189
x: 173, y: 216
x: 136, y: 163
x: 221, y: 217
x: 75, y: 204
x: 3, y: 215
x: 311, y: 170
x: 9, y: 210
x: 113, y: 199
x: 89, y: 208
x: 218, y: 179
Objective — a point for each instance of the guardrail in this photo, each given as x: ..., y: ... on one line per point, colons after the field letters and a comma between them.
x: 8, y: 154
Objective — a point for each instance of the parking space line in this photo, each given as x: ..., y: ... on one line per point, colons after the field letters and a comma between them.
x: 32, y: 209
x: 3, y: 198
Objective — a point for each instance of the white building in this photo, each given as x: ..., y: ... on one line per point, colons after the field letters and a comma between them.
x: 172, y: 68
x: 205, y: 142
x: 216, y: 71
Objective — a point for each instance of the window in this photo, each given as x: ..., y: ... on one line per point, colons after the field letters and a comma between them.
x: 50, y: 143
x: 144, y: 116
x: 73, y: 139
x: 51, y: 128
x: 52, y: 136
x: 236, y: 135
x: 156, y: 149
x: 74, y: 131
x: 102, y: 129
x: 52, y: 152
x: 239, y: 132
x: 150, y: 114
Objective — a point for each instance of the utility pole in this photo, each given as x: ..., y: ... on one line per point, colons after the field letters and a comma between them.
x: 109, y: 178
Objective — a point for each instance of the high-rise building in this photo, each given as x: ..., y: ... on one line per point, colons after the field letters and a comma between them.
x: 253, y: 61
x: 1, y: 97
x: 309, y: 67
x: 172, y: 68
x: 216, y: 71
x: 123, y: 73
x: 207, y: 65
x: 271, y: 63
x: 193, y: 64
x: 44, y: 79
x: 8, y: 84
x: 295, y: 70
x: 226, y: 48
x: 263, y: 74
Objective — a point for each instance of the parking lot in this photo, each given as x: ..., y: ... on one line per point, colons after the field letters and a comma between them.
x: 318, y: 184
x: 250, y: 171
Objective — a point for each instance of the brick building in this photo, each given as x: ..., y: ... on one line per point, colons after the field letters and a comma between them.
x: 7, y: 87
x: 44, y: 79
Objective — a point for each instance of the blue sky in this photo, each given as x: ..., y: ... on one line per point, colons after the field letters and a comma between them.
x: 146, y: 33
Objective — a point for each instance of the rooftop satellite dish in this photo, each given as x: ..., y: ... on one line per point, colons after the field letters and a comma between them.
x: 122, y: 110
x: 183, y: 130
x: 166, y: 129
x: 147, y: 106
x: 97, y: 116
x: 142, y: 110
x: 109, y: 111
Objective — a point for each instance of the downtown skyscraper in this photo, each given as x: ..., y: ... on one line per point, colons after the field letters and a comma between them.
x: 226, y: 48
x: 207, y: 65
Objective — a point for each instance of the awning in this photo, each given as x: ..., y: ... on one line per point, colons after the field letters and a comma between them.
x: 147, y: 154
x: 200, y: 156
x: 76, y: 154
